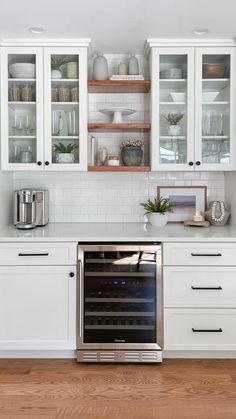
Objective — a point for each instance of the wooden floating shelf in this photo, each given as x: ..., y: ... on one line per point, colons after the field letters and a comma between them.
x: 135, y: 127
x: 119, y: 86
x: 119, y: 168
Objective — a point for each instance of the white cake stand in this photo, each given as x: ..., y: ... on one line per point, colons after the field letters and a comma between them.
x: 117, y: 112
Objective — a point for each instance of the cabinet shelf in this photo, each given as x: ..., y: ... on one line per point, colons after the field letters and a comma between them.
x: 134, y: 127
x: 64, y: 80
x: 119, y: 168
x: 119, y: 86
x: 65, y: 103
x: 21, y: 80
x: 65, y: 137
x: 215, y: 83
x: 172, y: 103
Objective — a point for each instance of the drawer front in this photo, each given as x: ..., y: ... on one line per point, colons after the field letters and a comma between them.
x: 201, y: 329
x: 38, y: 253
x: 207, y: 286
x: 211, y: 254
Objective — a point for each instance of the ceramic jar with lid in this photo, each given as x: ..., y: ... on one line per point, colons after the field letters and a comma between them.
x: 100, y: 68
x: 113, y: 160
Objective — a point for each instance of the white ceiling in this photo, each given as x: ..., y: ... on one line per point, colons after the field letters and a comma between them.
x: 117, y: 25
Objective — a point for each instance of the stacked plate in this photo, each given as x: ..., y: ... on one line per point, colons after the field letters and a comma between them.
x: 22, y: 71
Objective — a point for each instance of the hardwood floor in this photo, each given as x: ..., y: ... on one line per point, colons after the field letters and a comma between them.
x: 63, y: 389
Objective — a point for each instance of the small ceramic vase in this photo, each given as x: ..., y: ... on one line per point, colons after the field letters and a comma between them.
x: 174, y: 130
x: 133, y: 65
x: 100, y: 68
x: 156, y: 219
x: 72, y: 70
x: 122, y: 69
x: 56, y: 74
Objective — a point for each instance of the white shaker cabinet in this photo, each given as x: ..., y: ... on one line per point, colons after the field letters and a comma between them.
x: 38, y: 296
x: 43, y: 118
x: 193, y: 105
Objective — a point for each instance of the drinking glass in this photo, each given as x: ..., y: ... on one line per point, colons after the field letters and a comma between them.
x: 71, y: 122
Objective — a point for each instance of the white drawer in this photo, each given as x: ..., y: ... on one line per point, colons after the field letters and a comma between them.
x: 38, y: 253
x: 200, y: 254
x: 199, y: 329
x: 208, y: 286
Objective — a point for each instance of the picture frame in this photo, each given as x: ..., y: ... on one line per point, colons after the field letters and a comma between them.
x: 185, y: 200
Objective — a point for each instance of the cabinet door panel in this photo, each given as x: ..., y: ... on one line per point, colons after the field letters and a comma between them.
x: 172, y: 108
x: 215, y: 126
x: 37, y: 307
x: 65, y: 82
x: 22, y: 108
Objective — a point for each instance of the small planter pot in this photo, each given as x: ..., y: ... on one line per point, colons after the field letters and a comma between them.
x: 56, y: 74
x: 156, y: 219
x: 132, y: 156
x: 174, y: 130
x: 65, y: 158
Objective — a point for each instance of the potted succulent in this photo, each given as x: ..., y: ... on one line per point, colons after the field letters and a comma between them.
x: 156, y: 211
x: 65, y: 153
x: 174, y: 120
x: 132, y: 152
x: 56, y: 64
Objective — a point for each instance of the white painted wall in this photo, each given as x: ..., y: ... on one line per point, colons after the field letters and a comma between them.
x: 6, y: 192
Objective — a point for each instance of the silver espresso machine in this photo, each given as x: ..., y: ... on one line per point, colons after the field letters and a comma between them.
x: 31, y: 208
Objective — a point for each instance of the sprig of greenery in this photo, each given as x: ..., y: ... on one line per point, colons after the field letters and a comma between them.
x: 58, y: 62
x: 173, y: 118
x: 62, y: 148
x: 161, y: 206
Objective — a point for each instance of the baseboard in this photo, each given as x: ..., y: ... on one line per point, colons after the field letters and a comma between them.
x: 38, y: 354
x: 200, y: 354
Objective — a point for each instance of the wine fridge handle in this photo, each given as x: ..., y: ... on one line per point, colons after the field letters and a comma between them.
x: 79, y: 299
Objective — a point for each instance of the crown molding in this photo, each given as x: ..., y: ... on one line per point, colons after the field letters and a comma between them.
x: 188, y: 42
x: 49, y: 42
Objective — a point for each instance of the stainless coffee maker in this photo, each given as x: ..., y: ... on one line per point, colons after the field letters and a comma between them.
x: 30, y: 208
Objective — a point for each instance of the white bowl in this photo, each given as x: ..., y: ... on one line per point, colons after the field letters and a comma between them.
x: 22, y: 70
x: 178, y: 96
x: 171, y: 73
x: 209, y: 96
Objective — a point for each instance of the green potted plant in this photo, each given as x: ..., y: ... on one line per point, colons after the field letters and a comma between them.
x: 65, y: 153
x: 174, y: 119
x: 156, y: 211
x: 132, y: 152
x: 56, y: 64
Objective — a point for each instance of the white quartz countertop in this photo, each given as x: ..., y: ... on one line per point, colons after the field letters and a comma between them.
x: 86, y: 232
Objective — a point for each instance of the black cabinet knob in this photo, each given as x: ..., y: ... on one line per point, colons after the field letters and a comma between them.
x: 198, y: 163
x: 190, y: 163
x: 46, y: 163
x: 39, y: 163
x: 72, y: 274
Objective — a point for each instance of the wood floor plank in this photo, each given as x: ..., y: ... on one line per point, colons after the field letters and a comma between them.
x: 63, y: 389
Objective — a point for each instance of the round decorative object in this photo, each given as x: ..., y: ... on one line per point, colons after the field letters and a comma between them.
x: 133, y: 65
x: 65, y: 158
x: 132, y: 156
x: 157, y: 219
x: 56, y: 74
x: 217, y: 213
x: 117, y: 112
x: 100, y: 68
x: 174, y: 130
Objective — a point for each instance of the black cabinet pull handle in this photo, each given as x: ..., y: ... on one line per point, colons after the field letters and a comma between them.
x: 207, y: 330
x: 198, y: 163
x: 47, y: 163
x: 33, y: 254
x: 39, y: 163
x: 190, y: 163
x: 206, y: 288
x: 206, y: 254
x: 72, y: 274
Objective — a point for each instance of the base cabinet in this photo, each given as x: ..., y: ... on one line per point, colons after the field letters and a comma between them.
x: 37, y: 307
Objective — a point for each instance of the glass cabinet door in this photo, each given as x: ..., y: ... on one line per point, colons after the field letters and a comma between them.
x: 215, y: 96
x: 173, y: 94
x: 65, y: 121
x: 22, y: 108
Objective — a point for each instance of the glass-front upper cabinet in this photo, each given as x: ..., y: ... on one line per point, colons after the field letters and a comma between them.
x: 21, y: 108
x: 215, y: 128
x: 65, y: 72
x: 173, y: 109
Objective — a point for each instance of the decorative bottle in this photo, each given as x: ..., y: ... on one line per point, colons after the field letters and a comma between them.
x: 133, y: 65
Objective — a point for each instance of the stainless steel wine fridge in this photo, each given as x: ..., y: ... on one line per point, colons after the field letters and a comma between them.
x: 119, y: 302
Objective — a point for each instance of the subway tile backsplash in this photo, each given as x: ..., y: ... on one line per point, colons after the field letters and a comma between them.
x: 110, y: 197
